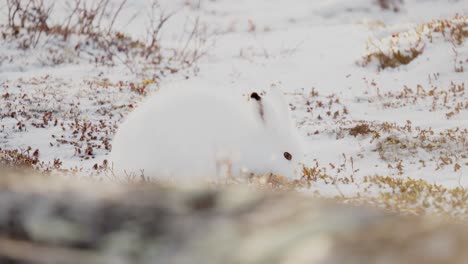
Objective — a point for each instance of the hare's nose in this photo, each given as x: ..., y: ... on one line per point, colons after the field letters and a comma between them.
x: 287, y: 155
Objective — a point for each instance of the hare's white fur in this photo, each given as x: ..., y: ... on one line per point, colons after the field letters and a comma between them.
x: 183, y: 133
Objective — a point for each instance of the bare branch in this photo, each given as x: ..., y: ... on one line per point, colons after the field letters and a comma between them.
x: 116, y: 14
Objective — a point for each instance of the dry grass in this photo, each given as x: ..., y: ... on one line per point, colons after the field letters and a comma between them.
x: 397, y: 145
x: 400, y: 195
x: 392, y: 56
x: 312, y: 110
x: 453, y: 100
x: 446, y: 148
x: 418, y: 196
x: 19, y: 159
x: 402, y: 48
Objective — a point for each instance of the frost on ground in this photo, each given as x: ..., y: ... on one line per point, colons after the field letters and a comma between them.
x: 376, y: 88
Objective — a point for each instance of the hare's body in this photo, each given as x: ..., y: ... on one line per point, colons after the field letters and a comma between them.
x: 203, y: 133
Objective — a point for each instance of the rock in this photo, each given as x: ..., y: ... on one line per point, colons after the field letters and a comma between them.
x: 45, y: 219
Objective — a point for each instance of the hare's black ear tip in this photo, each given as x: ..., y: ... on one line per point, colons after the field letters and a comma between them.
x: 255, y: 96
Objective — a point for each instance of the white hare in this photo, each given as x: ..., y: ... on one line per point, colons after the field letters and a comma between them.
x: 185, y: 134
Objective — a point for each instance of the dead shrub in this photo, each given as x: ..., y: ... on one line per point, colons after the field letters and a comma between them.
x: 30, y: 15
x: 27, y: 159
x: 394, y: 5
x: 392, y: 57
x: 92, y: 25
x: 361, y: 129
x: 402, y: 48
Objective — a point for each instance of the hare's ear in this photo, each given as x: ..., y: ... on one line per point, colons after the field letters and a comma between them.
x: 256, y: 99
x: 278, y: 103
x: 276, y: 96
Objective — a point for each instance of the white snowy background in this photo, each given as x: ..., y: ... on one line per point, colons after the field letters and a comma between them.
x: 416, y: 114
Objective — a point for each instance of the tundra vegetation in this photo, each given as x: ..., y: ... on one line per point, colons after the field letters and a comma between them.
x: 71, y: 71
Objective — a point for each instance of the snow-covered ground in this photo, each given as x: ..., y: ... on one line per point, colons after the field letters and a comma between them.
x: 363, y: 114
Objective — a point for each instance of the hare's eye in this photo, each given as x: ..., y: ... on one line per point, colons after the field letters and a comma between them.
x: 287, y: 156
x: 255, y: 96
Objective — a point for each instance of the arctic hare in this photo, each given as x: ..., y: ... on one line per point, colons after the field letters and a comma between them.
x: 185, y: 134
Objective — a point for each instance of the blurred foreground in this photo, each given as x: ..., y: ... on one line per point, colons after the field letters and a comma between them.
x: 45, y: 219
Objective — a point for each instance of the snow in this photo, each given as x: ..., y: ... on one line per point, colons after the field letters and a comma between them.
x: 307, y: 47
